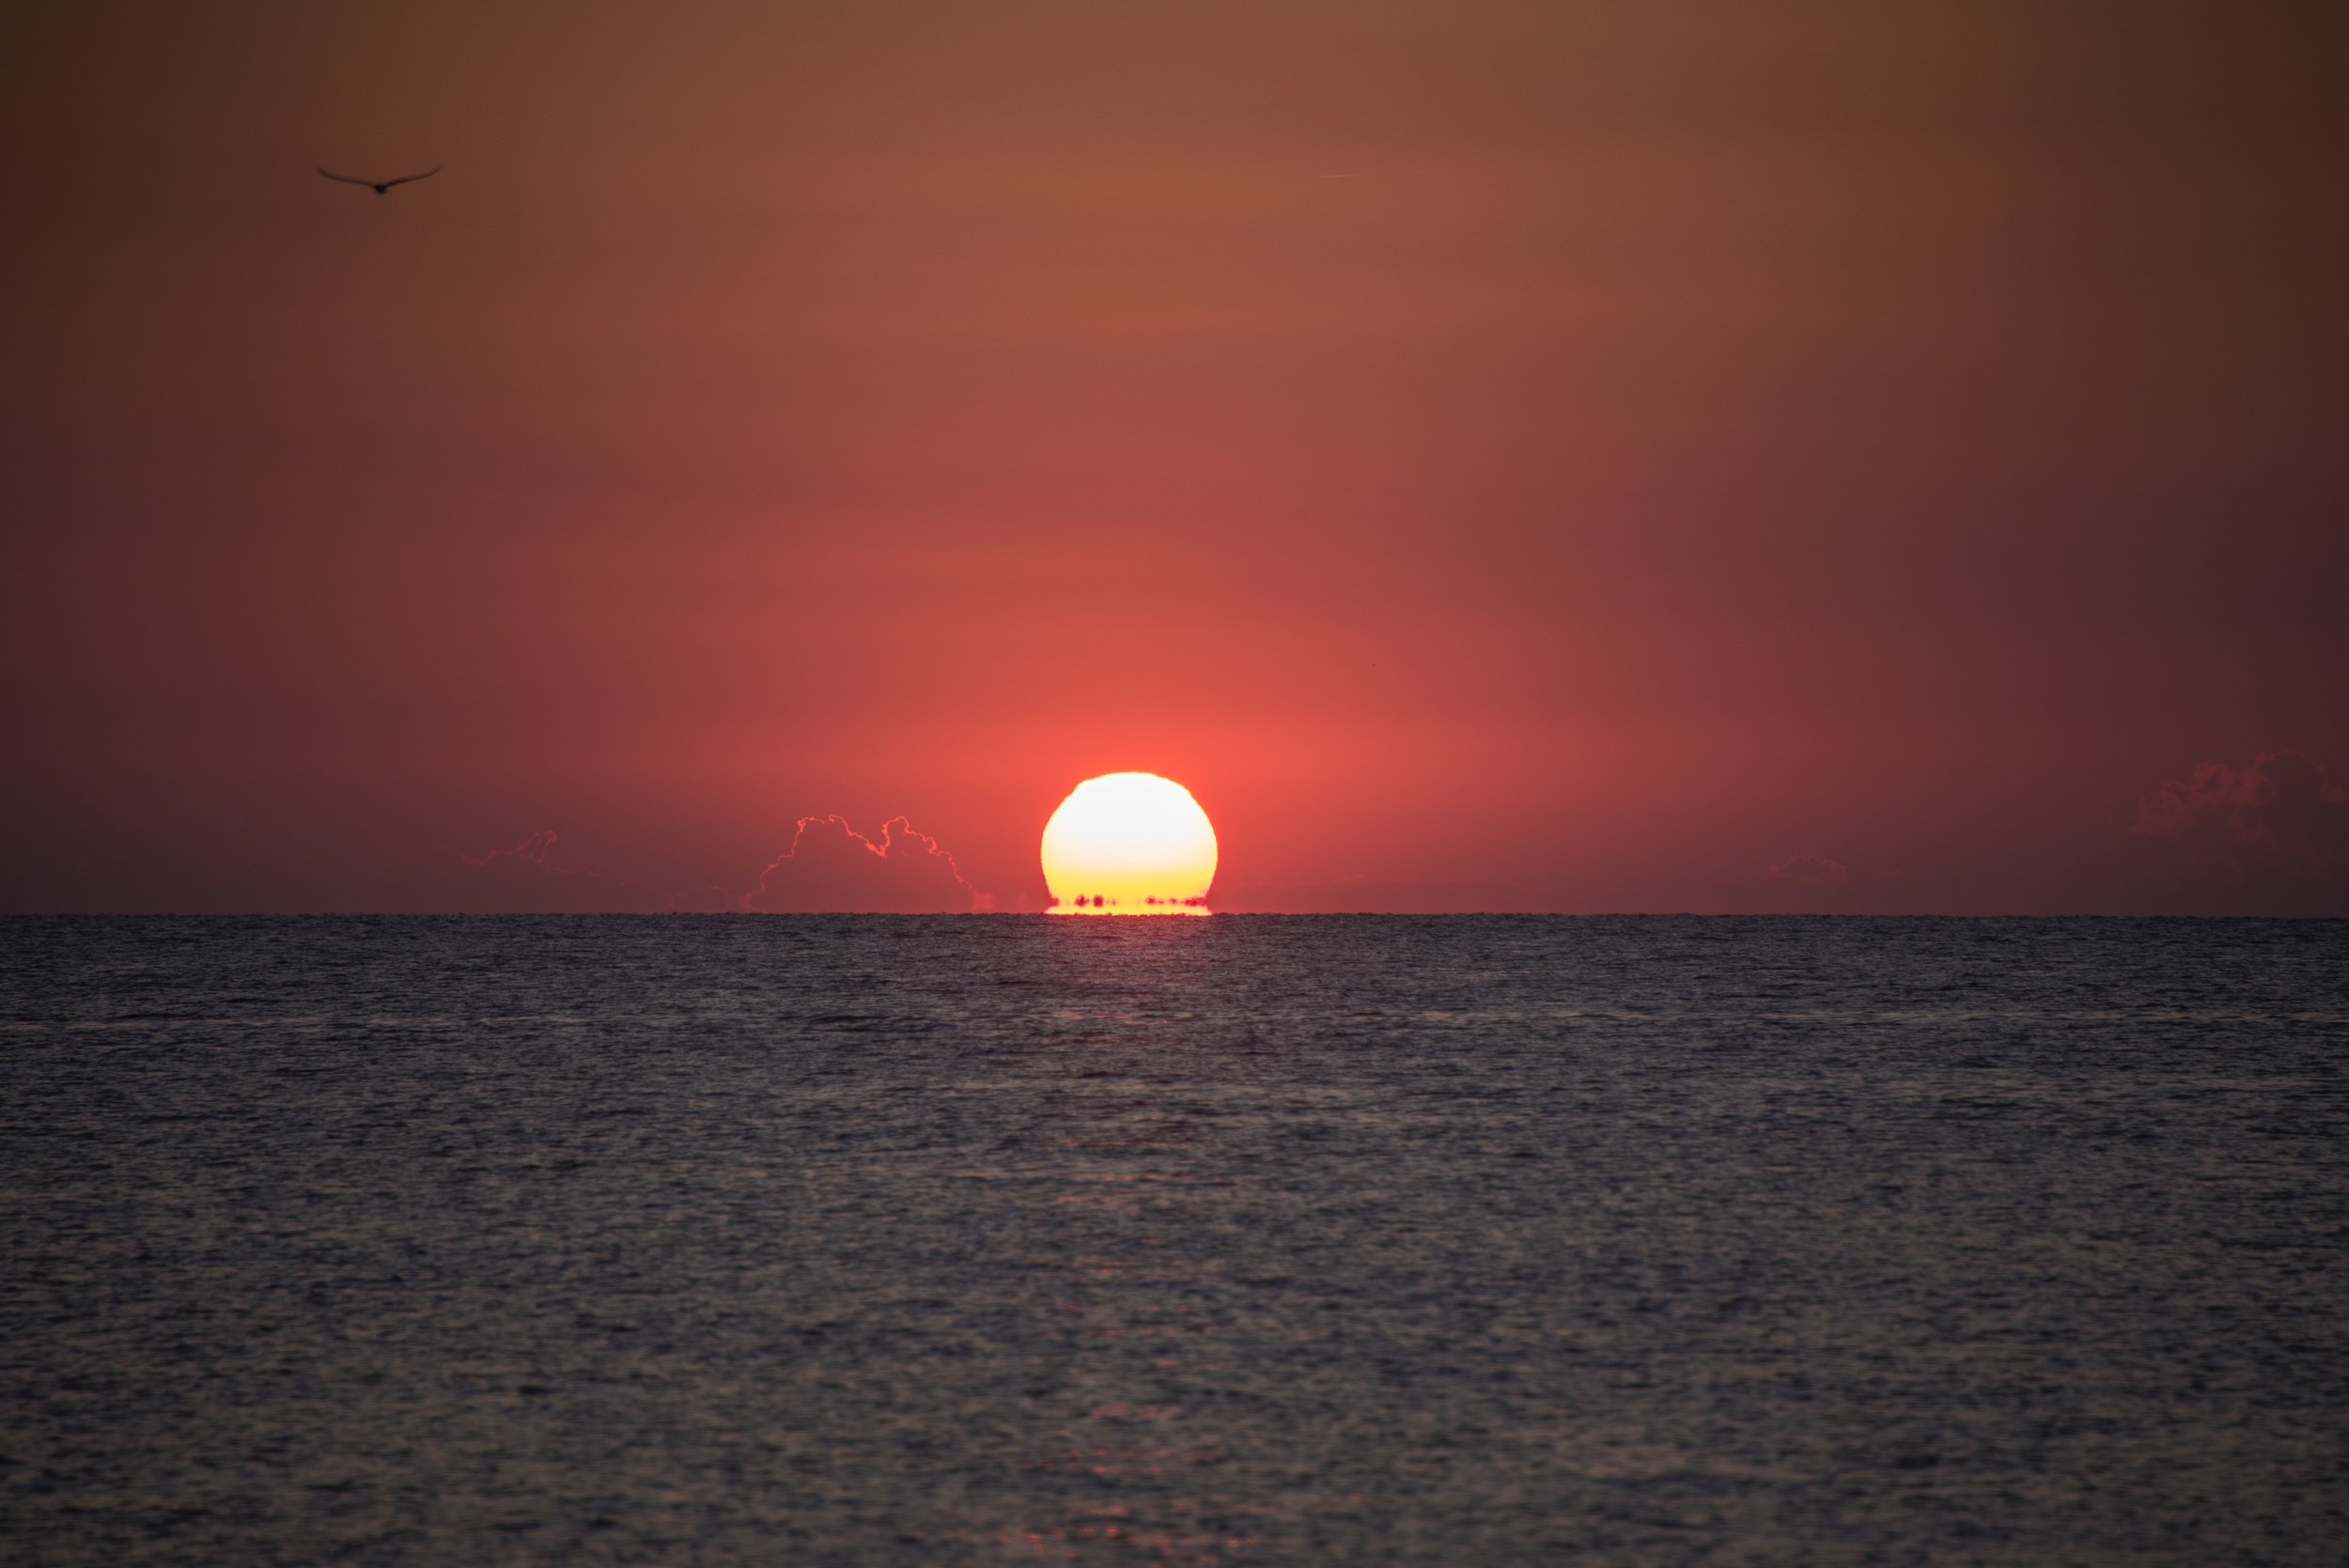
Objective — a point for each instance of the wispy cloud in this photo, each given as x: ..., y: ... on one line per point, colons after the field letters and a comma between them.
x: 533, y: 849
x: 528, y: 878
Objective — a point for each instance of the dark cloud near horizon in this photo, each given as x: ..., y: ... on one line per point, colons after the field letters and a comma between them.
x: 1810, y: 871
x: 2274, y: 835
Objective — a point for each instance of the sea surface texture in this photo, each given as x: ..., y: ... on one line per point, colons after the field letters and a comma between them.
x: 1249, y: 1239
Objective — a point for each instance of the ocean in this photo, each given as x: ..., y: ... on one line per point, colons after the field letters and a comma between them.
x: 1252, y: 1239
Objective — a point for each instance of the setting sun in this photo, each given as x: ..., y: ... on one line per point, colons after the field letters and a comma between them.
x: 1129, y: 844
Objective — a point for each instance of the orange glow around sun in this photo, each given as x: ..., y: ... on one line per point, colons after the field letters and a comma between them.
x: 1129, y: 844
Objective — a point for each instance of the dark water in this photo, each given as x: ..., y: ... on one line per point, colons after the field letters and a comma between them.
x: 1346, y: 1241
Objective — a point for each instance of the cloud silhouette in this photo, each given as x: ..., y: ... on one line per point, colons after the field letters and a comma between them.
x: 2280, y: 824
x: 1810, y: 871
x: 2266, y: 839
x: 831, y: 868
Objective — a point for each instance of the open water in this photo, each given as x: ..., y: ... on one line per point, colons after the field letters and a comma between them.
x: 1252, y: 1239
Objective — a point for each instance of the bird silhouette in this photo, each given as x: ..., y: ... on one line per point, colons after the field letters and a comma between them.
x: 379, y: 186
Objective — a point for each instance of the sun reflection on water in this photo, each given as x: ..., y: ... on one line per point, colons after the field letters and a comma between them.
x: 1123, y: 1301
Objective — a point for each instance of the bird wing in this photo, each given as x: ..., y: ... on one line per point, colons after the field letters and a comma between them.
x: 406, y: 178
x: 348, y: 179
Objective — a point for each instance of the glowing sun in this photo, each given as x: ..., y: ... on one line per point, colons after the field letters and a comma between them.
x: 1129, y: 844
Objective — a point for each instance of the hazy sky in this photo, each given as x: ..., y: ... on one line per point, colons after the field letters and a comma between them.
x: 1635, y: 457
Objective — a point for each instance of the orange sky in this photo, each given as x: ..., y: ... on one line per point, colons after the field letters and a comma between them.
x: 1522, y: 456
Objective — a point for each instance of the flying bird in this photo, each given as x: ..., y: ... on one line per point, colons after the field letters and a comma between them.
x: 379, y: 186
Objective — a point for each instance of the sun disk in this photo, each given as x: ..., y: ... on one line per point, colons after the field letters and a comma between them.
x: 1129, y: 844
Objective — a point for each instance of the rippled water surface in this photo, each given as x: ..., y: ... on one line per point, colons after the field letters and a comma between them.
x: 1251, y: 1239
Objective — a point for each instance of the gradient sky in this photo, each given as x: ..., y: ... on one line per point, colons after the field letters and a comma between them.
x: 1642, y: 456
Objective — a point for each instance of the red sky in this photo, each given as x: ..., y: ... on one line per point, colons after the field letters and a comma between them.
x: 1639, y: 456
